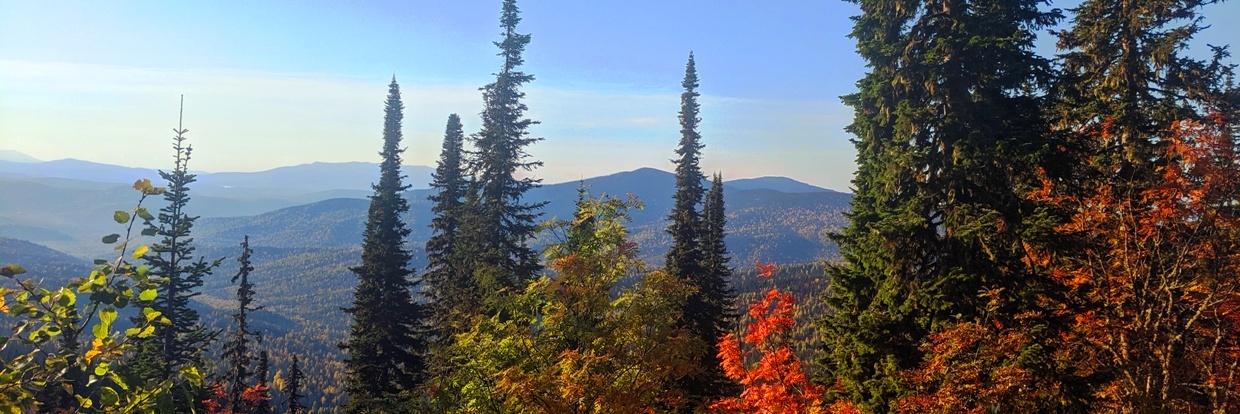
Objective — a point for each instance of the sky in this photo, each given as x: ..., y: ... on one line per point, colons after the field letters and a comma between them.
x: 276, y: 83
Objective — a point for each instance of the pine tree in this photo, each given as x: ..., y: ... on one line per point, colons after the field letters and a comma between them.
x: 386, y: 339
x: 706, y: 314
x: 501, y: 223
x: 180, y: 342
x: 292, y: 388
x: 947, y: 134
x: 447, y: 286
x: 237, y: 350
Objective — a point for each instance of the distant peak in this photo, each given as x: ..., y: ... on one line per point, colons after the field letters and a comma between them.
x: 15, y: 156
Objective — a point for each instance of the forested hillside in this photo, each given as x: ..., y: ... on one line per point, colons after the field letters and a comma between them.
x: 1029, y: 233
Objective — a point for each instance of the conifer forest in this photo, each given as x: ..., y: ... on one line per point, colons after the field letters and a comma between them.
x: 1030, y: 228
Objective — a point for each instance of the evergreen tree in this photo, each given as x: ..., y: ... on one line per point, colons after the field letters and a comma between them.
x: 501, y: 223
x: 448, y: 288
x: 947, y: 135
x: 706, y: 314
x: 181, y: 341
x: 262, y: 400
x: 1134, y: 75
x: 684, y: 258
x: 386, y: 339
x: 1133, y: 106
x: 721, y: 297
x: 237, y: 350
x: 292, y: 388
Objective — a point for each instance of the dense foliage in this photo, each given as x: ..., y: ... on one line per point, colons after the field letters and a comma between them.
x: 1028, y: 235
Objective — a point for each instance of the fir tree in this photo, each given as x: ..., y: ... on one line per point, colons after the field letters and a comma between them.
x: 386, y: 340
x: 237, y: 350
x: 684, y: 258
x: 706, y: 314
x: 721, y: 298
x: 501, y: 223
x: 180, y: 342
x: 1134, y: 75
x: 262, y: 400
x: 446, y: 284
x: 292, y: 388
x: 947, y: 134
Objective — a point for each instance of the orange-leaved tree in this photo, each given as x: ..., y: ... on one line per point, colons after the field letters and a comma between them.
x: 1153, y: 284
x: 777, y: 383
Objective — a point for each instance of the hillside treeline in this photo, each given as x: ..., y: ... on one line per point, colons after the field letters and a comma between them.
x: 1028, y: 234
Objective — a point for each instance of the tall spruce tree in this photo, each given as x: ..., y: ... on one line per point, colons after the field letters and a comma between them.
x: 237, y: 353
x: 705, y: 314
x: 501, y: 221
x: 181, y: 341
x: 292, y: 389
x: 386, y: 339
x: 449, y: 288
x: 947, y: 133
x: 718, y: 290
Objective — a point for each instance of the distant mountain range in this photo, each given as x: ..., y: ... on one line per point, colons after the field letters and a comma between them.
x: 56, y: 203
x: 306, y: 235
x: 331, y: 179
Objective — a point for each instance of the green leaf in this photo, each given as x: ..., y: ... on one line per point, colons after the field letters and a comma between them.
x: 99, y: 330
x: 111, y: 238
x: 140, y: 251
x: 148, y: 295
x: 147, y: 331
x: 108, y: 396
x: 150, y: 231
x: 102, y: 369
x: 120, y: 217
x: 11, y: 270
x: 145, y: 215
x: 191, y: 374
x: 67, y: 298
x: 106, y: 317
x: 133, y: 331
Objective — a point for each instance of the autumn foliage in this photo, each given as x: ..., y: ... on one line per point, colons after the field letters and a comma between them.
x: 777, y: 383
x: 1153, y: 288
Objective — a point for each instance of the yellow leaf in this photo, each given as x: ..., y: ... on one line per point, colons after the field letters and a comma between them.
x: 96, y: 348
x: 140, y: 251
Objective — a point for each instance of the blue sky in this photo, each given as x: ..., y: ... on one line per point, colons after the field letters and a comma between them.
x: 269, y: 84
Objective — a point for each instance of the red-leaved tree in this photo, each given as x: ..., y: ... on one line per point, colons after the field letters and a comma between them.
x: 777, y: 383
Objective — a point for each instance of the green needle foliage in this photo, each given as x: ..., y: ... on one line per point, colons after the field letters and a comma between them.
x: 449, y: 289
x: 180, y: 343
x: 501, y: 222
x: 237, y: 353
x: 708, y: 313
x: 292, y: 388
x: 948, y: 132
x: 386, y: 340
